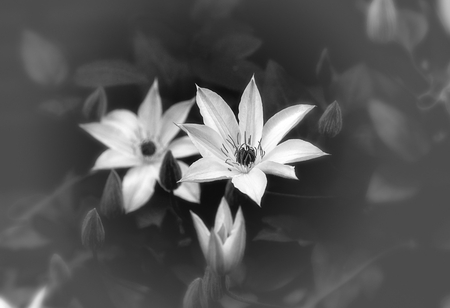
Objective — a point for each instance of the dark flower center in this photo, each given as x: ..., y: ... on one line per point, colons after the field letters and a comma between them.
x: 245, y: 155
x: 148, y: 148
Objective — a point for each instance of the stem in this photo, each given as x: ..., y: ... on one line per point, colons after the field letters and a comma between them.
x: 176, y: 210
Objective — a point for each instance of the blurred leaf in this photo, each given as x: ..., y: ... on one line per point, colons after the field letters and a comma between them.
x: 325, y: 72
x: 389, y: 183
x: 95, y: 106
x: 400, y: 134
x: 412, y: 28
x: 43, y: 61
x: 21, y: 236
x: 109, y: 73
x: 60, y: 107
x: 58, y: 288
x: 212, y: 9
x: 237, y: 46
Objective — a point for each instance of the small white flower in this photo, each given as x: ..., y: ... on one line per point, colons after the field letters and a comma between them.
x: 245, y: 152
x: 224, y: 246
x: 140, y: 142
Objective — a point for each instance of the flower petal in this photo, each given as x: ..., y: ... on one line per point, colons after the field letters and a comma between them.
x: 216, y: 113
x: 270, y: 167
x: 202, y: 233
x: 150, y: 112
x: 187, y: 191
x: 223, y: 218
x: 182, y: 147
x: 175, y: 114
x: 110, y: 136
x: 205, y: 139
x: 207, y: 170
x: 215, y: 256
x: 38, y: 298
x: 251, y: 114
x: 281, y: 123
x: 235, y: 244
x: 253, y: 184
x: 293, y: 150
x: 111, y: 159
x: 138, y: 186
x: 125, y: 121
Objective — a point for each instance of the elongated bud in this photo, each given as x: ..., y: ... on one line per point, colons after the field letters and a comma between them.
x: 213, y: 285
x: 330, y: 123
x: 194, y: 297
x: 382, y: 21
x: 170, y: 173
x: 324, y: 69
x: 95, y: 106
x: 111, y: 203
x: 92, y: 232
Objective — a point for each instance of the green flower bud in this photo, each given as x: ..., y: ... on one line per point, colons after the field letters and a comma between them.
x: 170, y: 173
x: 92, y: 231
x: 330, y: 123
x: 111, y: 203
x: 194, y: 297
x: 213, y: 285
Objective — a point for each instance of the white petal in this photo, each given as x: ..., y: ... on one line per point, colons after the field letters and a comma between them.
x: 281, y: 123
x: 215, y: 256
x: 38, y: 299
x: 138, y: 186
x: 202, y: 233
x: 125, y: 121
x: 111, y: 159
x: 205, y: 139
x: 223, y: 217
x: 217, y: 114
x: 183, y: 147
x: 175, y: 114
x: 251, y: 114
x: 207, y: 170
x: 110, y: 136
x: 235, y: 244
x: 253, y: 184
x: 4, y: 303
x: 188, y: 191
x: 150, y: 111
x: 270, y: 167
x: 293, y: 150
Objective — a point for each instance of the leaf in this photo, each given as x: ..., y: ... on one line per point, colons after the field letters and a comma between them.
x: 43, y: 61
x: 60, y: 107
x: 412, y: 28
x: 286, y: 229
x: 21, y: 236
x: 402, y: 135
x: 237, y: 46
x: 109, y: 73
x: 96, y: 104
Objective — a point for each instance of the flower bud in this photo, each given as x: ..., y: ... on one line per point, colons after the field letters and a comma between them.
x: 94, y: 108
x: 194, y: 297
x: 92, y: 232
x: 382, y: 21
x: 59, y: 287
x: 330, y: 123
x: 213, y: 285
x: 170, y: 173
x: 112, y: 199
x: 215, y: 255
x: 324, y: 70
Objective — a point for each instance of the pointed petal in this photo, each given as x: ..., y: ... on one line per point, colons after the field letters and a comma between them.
x: 188, y: 191
x: 253, y: 184
x: 251, y: 114
x: 110, y: 136
x: 217, y: 114
x: 150, y: 111
x: 111, y: 159
x: 215, y: 256
x: 270, y: 167
x: 175, y: 114
x: 125, y: 121
x: 235, y: 244
x: 223, y: 217
x: 138, y: 186
x: 202, y: 233
x: 38, y: 299
x: 207, y: 141
x: 182, y: 147
x: 293, y: 150
x: 281, y: 123
x: 207, y: 170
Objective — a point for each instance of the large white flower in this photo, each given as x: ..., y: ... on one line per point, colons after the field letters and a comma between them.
x: 140, y: 142
x: 245, y: 152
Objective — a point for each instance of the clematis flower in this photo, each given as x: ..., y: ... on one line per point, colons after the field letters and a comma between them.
x: 223, y: 246
x: 246, y: 151
x: 140, y: 142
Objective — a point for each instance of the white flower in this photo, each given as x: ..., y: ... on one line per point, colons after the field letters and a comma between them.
x: 245, y: 152
x: 382, y: 21
x: 224, y: 246
x: 140, y: 142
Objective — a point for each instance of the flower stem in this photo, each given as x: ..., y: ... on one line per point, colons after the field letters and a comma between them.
x: 177, y: 212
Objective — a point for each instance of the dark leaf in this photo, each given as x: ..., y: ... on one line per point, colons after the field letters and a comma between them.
x: 236, y: 46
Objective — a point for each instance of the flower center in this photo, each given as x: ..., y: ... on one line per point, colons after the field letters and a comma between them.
x: 148, y: 148
x: 245, y: 155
